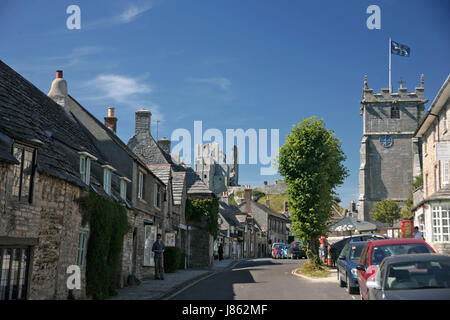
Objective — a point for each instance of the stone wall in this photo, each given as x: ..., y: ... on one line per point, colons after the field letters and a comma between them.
x: 54, y: 220
x: 201, y: 246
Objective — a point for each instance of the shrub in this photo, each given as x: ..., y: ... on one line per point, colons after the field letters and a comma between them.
x: 182, y: 260
x: 108, y: 224
x: 172, y: 257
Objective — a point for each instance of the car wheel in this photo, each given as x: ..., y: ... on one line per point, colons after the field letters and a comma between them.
x: 349, y: 287
x: 341, y: 283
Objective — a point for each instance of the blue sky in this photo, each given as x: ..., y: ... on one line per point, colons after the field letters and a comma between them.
x: 232, y: 64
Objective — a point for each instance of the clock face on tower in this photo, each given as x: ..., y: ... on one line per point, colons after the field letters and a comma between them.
x: 386, y: 141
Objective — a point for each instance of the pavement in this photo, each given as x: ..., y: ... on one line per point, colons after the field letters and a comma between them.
x: 173, y: 282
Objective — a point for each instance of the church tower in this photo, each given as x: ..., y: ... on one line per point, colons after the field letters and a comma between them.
x: 389, y: 154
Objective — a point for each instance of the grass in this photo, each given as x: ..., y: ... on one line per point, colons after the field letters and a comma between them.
x: 314, y: 270
x: 276, y: 201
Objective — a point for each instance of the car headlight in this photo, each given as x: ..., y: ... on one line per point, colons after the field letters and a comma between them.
x: 355, y: 273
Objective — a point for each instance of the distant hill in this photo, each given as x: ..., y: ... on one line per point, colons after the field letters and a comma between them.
x: 276, y: 201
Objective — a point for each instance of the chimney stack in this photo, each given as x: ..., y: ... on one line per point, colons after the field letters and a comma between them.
x: 58, y: 91
x: 352, y: 206
x: 248, y: 199
x: 225, y: 198
x: 143, y: 120
x: 111, y: 120
x: 164, y: 144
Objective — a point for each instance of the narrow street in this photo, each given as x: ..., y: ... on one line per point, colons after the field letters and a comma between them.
x: 264, y: 279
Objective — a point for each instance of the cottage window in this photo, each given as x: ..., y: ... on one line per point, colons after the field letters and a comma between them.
x: 24, y: 172
x: 107, y: 180
x: 123, y: 189
x: 441, y: 223
x: 14, y: 263
x: 82, y: 244
x: 85, y: 169
x: 157, y: 196
x: 395, y: 113
x: 141, y: 185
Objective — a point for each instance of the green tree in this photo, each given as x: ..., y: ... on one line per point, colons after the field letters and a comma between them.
x: 311, y: 162
x: 409, y: 203
x: 386, y: 211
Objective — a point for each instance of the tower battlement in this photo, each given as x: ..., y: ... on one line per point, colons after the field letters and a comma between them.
x: 369, y: 96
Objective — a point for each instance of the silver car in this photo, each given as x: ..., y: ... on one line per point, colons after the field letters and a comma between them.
x: 412, y: 277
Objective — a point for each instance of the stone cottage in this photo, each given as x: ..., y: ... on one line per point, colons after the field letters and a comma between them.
x: 432, y: 200
x: 139, y: 187
x: 47, y: 163
x: 272, y: 223
x: 182, y: 183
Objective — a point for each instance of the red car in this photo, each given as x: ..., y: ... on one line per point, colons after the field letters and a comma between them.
x: 375, y: 251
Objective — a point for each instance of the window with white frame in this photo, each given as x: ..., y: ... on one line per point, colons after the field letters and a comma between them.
x: 85, y: 169
x: 107, y: 180
x: 82, y: 244
x: 123, y: 189
x: 441, y: 223
x: 141, y: 185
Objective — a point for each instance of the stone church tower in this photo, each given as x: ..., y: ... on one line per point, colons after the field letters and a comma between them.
x: 389, y: 154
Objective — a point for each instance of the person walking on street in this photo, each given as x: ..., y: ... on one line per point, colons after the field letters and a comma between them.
x: 220, y: 252
x: 158, y: 249
x: 417, y: 234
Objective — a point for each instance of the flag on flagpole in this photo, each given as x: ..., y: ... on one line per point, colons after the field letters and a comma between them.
x: 400, y: 49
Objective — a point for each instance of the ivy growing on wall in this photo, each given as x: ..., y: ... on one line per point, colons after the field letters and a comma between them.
x: 108, y: 224
x: 196, y: 209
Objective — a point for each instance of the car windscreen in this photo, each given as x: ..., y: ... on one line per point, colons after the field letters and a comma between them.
x: 418, y: 275
x: 355, y: 252
x: 381, y: 252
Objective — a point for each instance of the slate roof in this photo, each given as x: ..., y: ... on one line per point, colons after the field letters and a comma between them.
x: 195, y: 185
x: 178, y: 181
x: 228, y: 212
x: 162, y: 171
x: 113, y: 137
x: 263, y: 207
x: 148, y: 149
x: 30, y: 116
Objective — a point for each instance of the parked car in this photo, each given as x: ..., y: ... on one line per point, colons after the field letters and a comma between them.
x: 347, y: 274
x: 296, y: 250
x: 276, y: 250
x: 411, y: 277
x: 337, y: 247
x: 375, y: 251
x: 284, y: 252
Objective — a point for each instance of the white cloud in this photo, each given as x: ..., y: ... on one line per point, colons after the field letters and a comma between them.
x: 222, y: 83
x: 121, y: 89
x: 132, y: 12
x: 128, y: 15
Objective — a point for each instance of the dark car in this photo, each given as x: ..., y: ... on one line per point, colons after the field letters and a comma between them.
x: 296, y: 250
x: 337, y: 247
x: 375, y: 251
x: 412, y: 277
x: 347, y: 274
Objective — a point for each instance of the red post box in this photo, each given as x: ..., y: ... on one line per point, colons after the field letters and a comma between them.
x: 407, y: 228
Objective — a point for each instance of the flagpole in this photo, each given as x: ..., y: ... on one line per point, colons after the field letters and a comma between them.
x: 390, y: 86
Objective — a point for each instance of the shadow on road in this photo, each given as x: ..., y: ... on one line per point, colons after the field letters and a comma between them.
x: 221, y: 286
